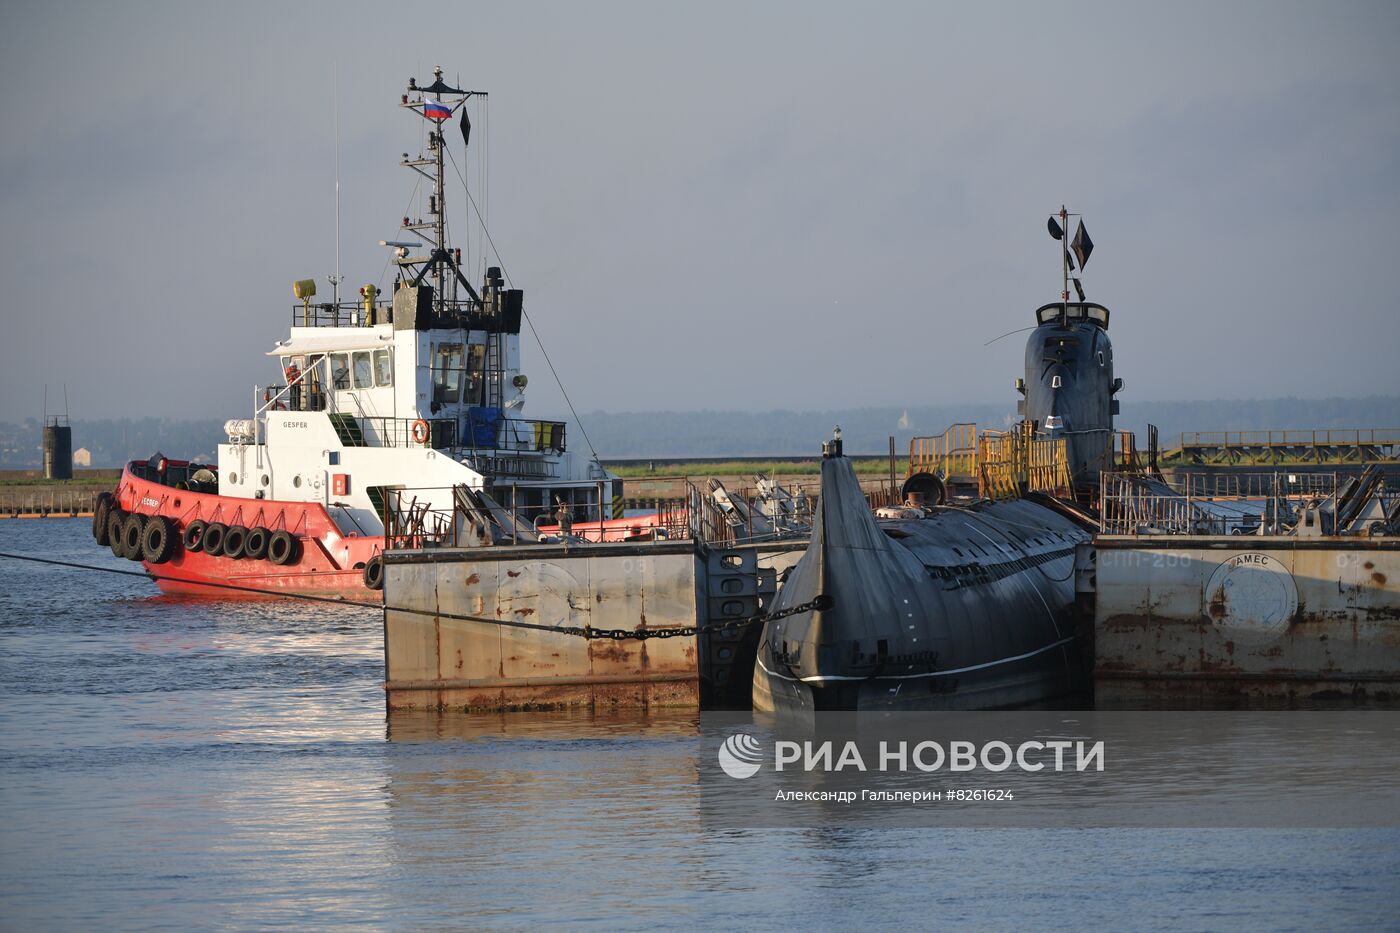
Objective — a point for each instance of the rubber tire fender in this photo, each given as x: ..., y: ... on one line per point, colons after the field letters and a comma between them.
x: 283, y: 548
x: 213, y: 542
x: 374, y: 572
x: 255, y: 544
x: 158, y: 540
x: 234, y: 538
x: 102, y: 507
x: 132, y: 530
x: 116, y: 520
x: 192, y: 539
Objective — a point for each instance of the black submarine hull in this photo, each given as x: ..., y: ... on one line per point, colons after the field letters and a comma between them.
x: 970, y: 607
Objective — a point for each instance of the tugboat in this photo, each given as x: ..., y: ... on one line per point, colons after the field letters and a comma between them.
x: 420, y: 389
x: 959, y: 604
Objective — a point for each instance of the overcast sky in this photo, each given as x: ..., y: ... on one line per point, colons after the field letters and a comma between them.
x: 709, y: 205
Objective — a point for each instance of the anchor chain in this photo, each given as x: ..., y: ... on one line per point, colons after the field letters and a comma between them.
x: 821, y: 601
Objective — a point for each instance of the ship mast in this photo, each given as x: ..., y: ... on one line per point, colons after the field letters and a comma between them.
x: 1080, y: 247
x: 437, y: 103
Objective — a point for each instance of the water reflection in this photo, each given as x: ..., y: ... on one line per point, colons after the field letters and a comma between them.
x: 168, y: 762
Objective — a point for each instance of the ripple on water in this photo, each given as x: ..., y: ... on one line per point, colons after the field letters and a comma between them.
x: 168, y: 763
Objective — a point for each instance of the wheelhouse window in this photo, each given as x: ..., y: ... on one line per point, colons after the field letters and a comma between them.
x: 476, y: 375
x: 383, y: 370
x: 448, y: 371
x: 340, y: 370
x: 363, y: 373
x: 313, y: 378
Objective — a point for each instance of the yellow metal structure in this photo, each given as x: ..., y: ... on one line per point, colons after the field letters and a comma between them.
x: 1004, y: 464
x: 305, y: 289
x: 1012, y: 464
x: 953, y: 453
x: 370, y: 293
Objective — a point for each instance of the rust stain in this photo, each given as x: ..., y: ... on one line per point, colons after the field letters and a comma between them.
x: 1379, y: 578
x: 1369, y: 565
x: 474, y: 578
x: 512, y: 573
x: 459, y: 659
x: 611, y: 651
x: 1216, y: 665
x: 525, y: 612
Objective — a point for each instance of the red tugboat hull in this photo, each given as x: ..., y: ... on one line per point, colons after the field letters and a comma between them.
x: 326, y: 562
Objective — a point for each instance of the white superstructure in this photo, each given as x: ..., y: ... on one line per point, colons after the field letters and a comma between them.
x: 419, y: 389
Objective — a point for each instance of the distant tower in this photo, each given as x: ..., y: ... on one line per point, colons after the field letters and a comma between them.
x: 58, y: 449
x: 58, y: 441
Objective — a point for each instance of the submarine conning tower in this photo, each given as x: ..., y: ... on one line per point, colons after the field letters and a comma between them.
x: 1069, y: 386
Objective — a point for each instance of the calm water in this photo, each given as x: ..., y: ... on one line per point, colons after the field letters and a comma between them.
x: 172, y: 763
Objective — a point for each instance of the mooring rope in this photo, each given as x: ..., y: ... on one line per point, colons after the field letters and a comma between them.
x: 580, y: 631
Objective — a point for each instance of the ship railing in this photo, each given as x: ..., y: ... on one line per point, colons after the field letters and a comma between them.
x: 359, y: 314
x: 748, y: 516
x: 509, y: 436
x: 1133, y: 503
x: 1012, y: 463
x: 342, y: 314
x: 515, y: 434
x: 1295, y: 485
x: 478, y: 519
x: 950, y: 454
x: 1005, y: 464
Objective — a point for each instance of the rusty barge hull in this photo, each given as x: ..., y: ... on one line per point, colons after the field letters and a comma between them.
x: 1182, y: 621
x: 435, y: 659
x: 440, y: 662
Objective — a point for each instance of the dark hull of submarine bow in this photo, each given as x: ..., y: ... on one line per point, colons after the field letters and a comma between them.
x: 967, y: 608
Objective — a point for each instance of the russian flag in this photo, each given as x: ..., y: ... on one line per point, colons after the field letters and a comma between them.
x: 436, y: 110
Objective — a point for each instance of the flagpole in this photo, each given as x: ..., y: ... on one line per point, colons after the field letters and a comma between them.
x: 335, y: 97
x: 1064, y: 255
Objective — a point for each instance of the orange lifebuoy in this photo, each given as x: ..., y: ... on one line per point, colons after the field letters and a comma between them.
x: 420, y: 431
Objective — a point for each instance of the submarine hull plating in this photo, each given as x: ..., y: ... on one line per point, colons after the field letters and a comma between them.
x: 968, y: 608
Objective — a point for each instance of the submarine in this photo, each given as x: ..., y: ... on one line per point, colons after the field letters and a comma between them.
x: 960, y: 604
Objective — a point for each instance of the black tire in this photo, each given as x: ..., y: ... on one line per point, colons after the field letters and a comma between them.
x: 234, y: 538
x: 255, y: 545
x: 116, y: 520
x: 214, y: 538
x: 158, y: 540
x: 193, y: 538
x: 132, y: 530
x: 374, y: 573
x: 283, y: 548
x: 102, y: 508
